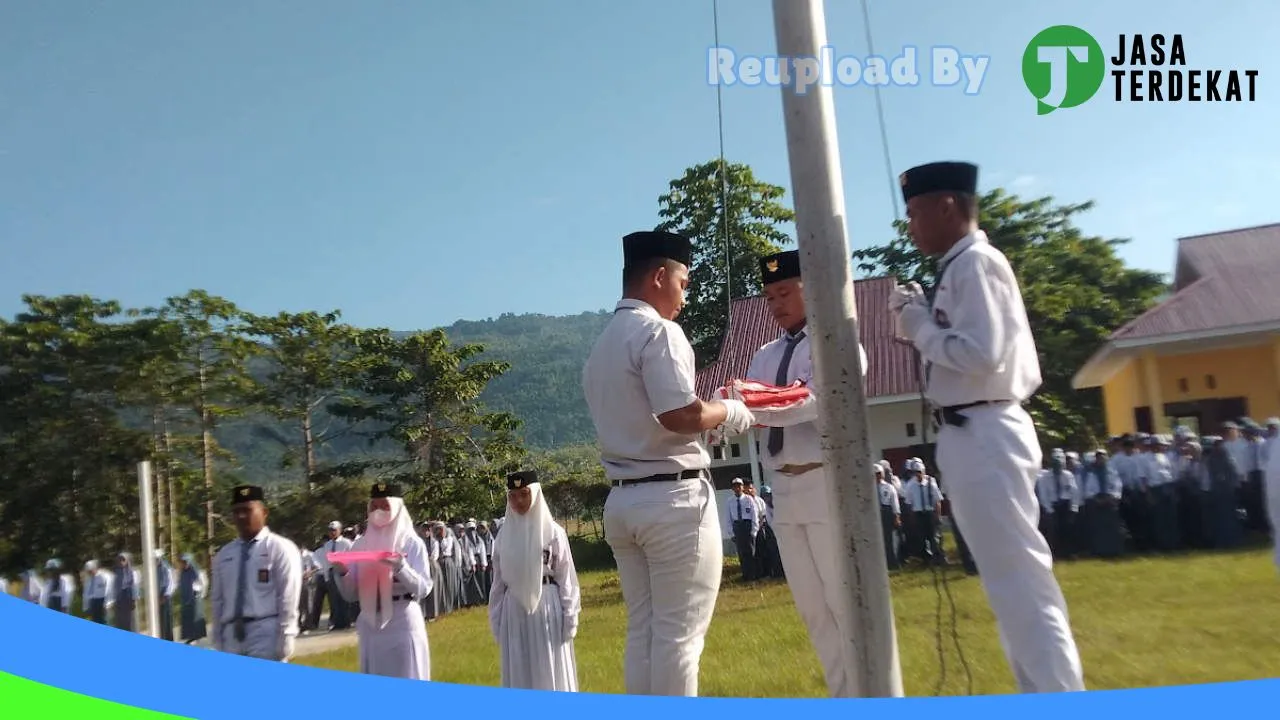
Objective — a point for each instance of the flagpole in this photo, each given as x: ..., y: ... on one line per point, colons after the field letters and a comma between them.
x: 146, y: 511
x: 870, y: 639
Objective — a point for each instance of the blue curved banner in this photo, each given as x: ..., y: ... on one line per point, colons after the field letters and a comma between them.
x: 44, y: 651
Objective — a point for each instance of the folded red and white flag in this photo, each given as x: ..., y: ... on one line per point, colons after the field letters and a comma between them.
x: 761, y: 396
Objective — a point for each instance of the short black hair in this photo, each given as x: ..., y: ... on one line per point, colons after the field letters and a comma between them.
x: 968, y: 204
x: 635, y: 273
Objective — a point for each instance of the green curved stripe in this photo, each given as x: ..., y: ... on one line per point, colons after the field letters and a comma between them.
x: 35, y: 700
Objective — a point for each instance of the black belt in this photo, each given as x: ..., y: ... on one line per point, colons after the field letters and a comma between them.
x: 548, y: 580
x: 663, y: 477
x: 255, y: 619
x: 410, y: 597
x: 950, y: 415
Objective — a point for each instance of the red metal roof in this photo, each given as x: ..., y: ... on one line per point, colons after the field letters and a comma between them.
x: 891, y: 366
x: 1223, y: 280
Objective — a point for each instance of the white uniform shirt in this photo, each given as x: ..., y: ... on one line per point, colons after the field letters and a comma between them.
x: 1126, y: 467
x: 923, y: 496
x: 979, y: 344
x: 762, y: 512
x: 99, y: 585
x: 63, y: 586
x: 273, y: 573
x: 448, y: 546
x: 1157, y: 469
x: 889, y: 496
x: 744, y: 507
x: 642, y: 366
x: 320, y: 556
x: 801, y: 443
x: 1050, y: 489
x: 1113, y: 486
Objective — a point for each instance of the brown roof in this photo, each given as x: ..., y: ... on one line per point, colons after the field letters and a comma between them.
x: 1223, y: 280
x: 891, y: 365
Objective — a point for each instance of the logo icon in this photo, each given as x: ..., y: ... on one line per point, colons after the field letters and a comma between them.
x: 771, y: 266
x: 1063, y: 67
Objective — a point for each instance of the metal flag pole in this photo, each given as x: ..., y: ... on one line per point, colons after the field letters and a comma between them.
x: 147, y: 513
x: 871, y: 646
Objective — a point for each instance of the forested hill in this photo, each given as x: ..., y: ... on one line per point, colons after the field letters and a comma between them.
x: 543, y: 388
x: 544, y: 385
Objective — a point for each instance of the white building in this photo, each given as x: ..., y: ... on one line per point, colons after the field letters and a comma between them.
x: 897, y: 416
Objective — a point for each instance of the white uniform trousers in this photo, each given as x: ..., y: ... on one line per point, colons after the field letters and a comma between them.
x: 665, y: 537
x: 807, y: 542
x: 989, y: 468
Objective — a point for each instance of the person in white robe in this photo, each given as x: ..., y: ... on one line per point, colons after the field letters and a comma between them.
x: 390, y: 627
x: 535, y: 599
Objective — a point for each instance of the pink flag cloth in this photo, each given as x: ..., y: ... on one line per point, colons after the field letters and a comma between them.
x: 351, y: 557
x: 757, y: 395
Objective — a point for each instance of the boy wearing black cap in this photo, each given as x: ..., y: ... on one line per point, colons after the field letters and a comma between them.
x: 257, y: 580
x: 981, y: 365
x: 660, y: 518
x: 793, y: 466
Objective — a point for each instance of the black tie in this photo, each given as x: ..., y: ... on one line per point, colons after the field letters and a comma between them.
x: 775, y: 433
x: 1057, y: 480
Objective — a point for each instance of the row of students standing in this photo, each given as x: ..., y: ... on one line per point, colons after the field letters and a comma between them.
x: 1154, y: 493
x: 110, y: 596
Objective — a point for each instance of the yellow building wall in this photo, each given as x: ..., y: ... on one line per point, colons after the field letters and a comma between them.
x: 1252, y: 373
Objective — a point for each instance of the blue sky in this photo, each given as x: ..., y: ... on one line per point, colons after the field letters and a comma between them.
x: 414, y: 163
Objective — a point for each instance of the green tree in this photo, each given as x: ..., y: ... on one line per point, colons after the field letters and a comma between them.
x: 707, y: 203
x: 422, y: 394
x: 67, y: 463
x: 310, y: 368
x: 210, y: 377
x: 1076, y: 289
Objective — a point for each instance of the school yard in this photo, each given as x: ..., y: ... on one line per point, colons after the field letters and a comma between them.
x: 1140, y: 622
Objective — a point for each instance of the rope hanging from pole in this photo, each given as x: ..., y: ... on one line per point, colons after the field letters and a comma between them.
x: 924, y: 403
x: 724, y: 189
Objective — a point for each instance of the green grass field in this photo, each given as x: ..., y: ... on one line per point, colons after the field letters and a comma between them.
x: 1139, y: 622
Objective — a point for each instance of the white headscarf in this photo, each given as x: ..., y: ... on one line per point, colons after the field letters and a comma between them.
x: 375, y: 579
x: 520, y: 546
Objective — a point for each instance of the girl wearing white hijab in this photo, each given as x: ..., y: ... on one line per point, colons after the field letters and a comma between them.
x: 392, y: 632
x: 535, y: 598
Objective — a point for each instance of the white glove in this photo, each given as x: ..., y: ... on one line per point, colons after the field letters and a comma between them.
x: 286, y: 651
x: 570, y: 628
x: 912, y: 318
x: 904, y: 295
x: 739, y: 418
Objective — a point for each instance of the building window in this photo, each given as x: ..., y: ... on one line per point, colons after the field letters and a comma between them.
x: 1183, y: 385
x: 717, y: 453
x: 911, y: 430
x: 1210, y: 382
x: 735, y: 450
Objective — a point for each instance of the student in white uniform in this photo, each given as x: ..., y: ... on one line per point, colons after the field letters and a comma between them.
x: 257, y: 579
x: 890, y: 515
x: 660, y: 517
x: 981, y: 366
x: 535, y: 598
x: 793, y: 467
x: 392, y: 631
x: 97, y: 600
x: 745, y: 523
x: 59, y: 587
